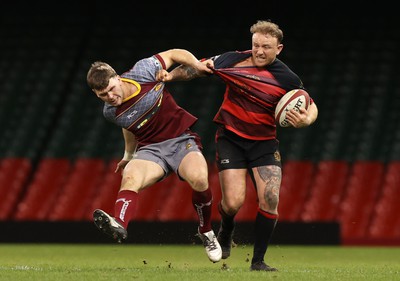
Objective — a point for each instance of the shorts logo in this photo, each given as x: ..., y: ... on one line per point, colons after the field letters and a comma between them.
x: 277, y: 156
x: 225, y: 161
x: 188, y: 146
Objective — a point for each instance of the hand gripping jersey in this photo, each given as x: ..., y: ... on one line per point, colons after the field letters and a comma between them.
x: 151, y: 113
x: 251, y: 94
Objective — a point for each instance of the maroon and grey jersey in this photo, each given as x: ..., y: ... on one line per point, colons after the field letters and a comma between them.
x: 152, y: 115
x: 251, y: 94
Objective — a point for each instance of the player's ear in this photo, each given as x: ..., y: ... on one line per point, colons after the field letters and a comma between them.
x: 280, y: 48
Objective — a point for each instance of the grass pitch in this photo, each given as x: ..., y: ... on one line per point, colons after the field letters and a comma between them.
x: 73, y: 262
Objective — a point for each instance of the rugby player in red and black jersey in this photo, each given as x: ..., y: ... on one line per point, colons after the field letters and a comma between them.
x: 246, y: 139
x: 158, y: 140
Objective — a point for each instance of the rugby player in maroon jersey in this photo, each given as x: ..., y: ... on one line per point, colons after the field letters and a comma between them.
x: 158, y: 140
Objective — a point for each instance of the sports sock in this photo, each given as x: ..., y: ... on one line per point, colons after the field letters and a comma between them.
x: 125, y: 207
x: 227, y: 221
x: 264, y: 227
x: 202, y: 203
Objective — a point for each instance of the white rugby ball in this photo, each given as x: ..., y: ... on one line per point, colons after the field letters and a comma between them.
x: 294, y: 99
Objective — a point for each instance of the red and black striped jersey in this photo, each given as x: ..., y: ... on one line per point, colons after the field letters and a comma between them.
x: 251, y: 94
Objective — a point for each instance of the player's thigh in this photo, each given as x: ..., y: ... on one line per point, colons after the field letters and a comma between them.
x: 139, y: 174
x: 268, y: 182
x: 194, y: 169
x: 233, y: 187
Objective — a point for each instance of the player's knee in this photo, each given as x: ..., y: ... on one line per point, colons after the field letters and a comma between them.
x: 197, y: 179
x: 199, y: 183
x: 233, y: 205
x: 270, y: 205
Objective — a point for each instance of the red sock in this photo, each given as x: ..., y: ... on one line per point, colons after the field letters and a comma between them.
x: 125, y: 206
x: 202, y: 203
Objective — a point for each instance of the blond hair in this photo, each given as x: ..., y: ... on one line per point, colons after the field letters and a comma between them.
x: 267, y: 27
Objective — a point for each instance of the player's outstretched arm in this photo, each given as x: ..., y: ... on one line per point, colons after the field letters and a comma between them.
x: 190, y: 67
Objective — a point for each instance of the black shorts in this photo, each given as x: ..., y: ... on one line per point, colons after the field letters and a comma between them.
x: 235, y: 152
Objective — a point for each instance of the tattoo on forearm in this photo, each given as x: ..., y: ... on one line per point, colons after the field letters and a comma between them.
x: 189, y: 72
x: 184, y: 72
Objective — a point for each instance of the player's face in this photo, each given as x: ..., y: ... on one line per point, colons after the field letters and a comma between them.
x: 112, y: 94
x: 265, y: 48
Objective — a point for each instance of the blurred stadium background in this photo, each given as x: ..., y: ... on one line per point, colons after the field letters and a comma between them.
x: 58, y: 153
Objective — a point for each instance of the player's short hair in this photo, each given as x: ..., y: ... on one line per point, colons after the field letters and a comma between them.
x: 99, y: 75
x: 267, y: 27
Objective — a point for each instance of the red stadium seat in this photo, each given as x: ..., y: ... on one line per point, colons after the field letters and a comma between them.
x: 106, y: 193
x: 48, y: 180
x: 362, y: 190
x: 177, y: 204
x: 14, y: 174
x: 152, y: 199
x: 296, y: 183
x: 326, y: 191
x: 73, y: 200
x: 385, y: 220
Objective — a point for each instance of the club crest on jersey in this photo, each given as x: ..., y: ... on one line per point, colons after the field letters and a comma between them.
x: 277, y: 156
x: 158, y: 86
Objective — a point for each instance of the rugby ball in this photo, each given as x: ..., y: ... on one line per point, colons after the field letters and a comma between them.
x: 294, y: 99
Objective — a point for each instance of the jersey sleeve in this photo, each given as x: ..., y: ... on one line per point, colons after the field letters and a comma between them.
x: 228, y: 59
x: 145, y: 70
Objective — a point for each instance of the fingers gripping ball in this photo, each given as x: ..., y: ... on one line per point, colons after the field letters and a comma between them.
x: 294, y: 99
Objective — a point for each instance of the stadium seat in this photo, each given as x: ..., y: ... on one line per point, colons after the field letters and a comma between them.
x: 296, y: 183
x: 14, y: 174
x: 177, y: 205
x: 105, y: 194
x: 385, y: 219
x: 365, y: 181
x: 326, y: 191
x: 41, y: 192
x: 73, y: 200
x: 152, y: 199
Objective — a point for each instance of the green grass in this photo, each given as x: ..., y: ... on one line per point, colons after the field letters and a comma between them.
x: 89, y: 262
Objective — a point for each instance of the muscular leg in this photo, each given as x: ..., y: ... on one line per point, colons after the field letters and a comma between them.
x: 233, y: 187
x: 137, y: 175
x: 268, y: 181
x: 194, y: 170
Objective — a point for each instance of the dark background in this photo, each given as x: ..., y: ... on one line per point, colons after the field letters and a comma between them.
x: 345, y: 52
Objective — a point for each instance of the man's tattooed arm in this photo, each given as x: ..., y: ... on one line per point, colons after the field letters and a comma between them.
x: 185, y: 73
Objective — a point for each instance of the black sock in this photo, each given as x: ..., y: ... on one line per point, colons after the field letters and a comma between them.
x: 227, y: 221
x: 264, y: 227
